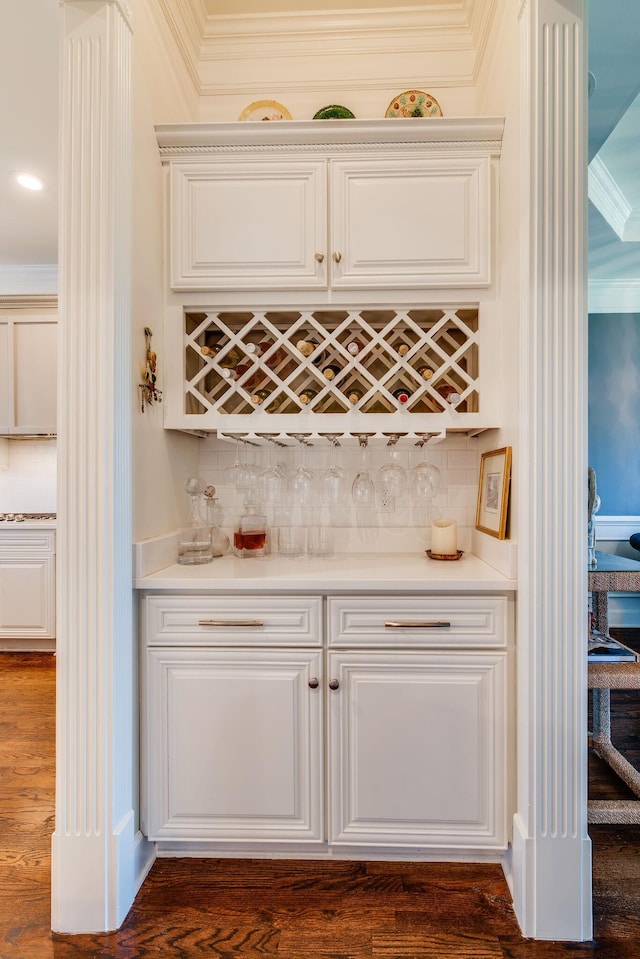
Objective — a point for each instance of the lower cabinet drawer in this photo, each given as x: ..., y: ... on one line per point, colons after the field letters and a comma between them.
x: 410, y: 621
x: 233, y: 620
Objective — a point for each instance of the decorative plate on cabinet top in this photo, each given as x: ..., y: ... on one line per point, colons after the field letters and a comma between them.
x: 265, y: 110
x: 334, y: 112
x: 414, y: 103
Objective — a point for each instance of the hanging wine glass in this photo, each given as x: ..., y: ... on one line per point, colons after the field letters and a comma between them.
x: 231, y: 473
x: 391, y: 480
x: 425, y: 479
x: 271, y: 479
x: 363, y: 493
x: 331, y: 481
x: 302, y: 479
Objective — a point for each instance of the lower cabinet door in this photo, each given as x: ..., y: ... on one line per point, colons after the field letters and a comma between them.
x: 233, y: 745
x: 417, y: 749
x: 27, y: 597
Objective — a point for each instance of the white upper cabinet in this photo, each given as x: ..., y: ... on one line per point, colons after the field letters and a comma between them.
x: 248, y: 224
x: 28, y: 374
x: 415, y: 223
x: 389, y: 204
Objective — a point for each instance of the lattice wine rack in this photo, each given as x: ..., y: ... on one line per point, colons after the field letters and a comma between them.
x: 293, y: 368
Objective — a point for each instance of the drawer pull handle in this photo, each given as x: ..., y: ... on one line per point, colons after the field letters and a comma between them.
x: 334, y: 684
x: 425, y: 624
x: 232, y: 622
x: 314, y: 683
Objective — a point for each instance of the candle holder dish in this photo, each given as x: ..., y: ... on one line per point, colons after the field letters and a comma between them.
x: 445, y: 556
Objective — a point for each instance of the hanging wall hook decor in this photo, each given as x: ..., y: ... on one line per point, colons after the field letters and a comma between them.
x: 148, y: 390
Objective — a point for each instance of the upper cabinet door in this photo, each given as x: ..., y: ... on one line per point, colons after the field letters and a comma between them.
x: 411, y: 222
x: 248, y: 225
x: 28, y: 374
x: 6, y: 379
x: 36, y: 373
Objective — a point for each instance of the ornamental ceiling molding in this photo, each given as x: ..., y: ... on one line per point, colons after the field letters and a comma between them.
x: 214, y: 47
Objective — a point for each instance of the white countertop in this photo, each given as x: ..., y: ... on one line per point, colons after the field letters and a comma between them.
x: 343, y: 572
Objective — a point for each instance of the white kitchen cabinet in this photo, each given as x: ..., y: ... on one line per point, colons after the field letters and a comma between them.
x: 27, y: 589
x: 233, y: 719
x: 384, y: 222
x: 236, y: 745
x: 416, y: 740
x: 28, y: 374
x: 375, y: 205
x: 417, y: 747
x: 248, y: 224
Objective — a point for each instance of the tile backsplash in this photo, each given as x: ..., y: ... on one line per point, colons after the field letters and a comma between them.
x: 395, y: 525
x: 28, y: 476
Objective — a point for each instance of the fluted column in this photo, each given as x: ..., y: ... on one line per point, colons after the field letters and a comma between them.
x: 96, y: 850
x: 552, y: 852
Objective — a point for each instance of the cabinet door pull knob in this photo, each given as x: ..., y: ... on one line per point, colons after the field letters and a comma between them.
x: 320, y: 257
x: 314, y: 683
x: 334, y: 684
x: 425, y: 624
x: 230, y: 622
x: 337, y: 257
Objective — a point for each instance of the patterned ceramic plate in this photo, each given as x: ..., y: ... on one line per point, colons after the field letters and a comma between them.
x: 265, y: 110
x: 334, y: 112
x: 414, y: 103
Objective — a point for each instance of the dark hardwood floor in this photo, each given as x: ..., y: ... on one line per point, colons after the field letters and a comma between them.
x: 235, y: 909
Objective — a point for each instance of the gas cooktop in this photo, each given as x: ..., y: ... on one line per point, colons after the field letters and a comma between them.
x: 24, y: 517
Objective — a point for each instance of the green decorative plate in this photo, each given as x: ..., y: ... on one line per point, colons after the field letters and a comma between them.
x: 334, y: 112
x: 414, y: 103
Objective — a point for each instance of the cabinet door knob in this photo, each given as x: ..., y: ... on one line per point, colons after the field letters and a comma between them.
x: 337, y: 257
x: 334, y: 684
x: 314, y: 683
x: 320, y: 257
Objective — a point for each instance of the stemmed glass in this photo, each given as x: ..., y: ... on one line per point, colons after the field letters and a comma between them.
x: 391, y: 480
x: 271, y: 480
x: 232, y: 473
x: 363, y: 493
x: 425, y: 479
x: 302, y: 480
x: 330, y: 483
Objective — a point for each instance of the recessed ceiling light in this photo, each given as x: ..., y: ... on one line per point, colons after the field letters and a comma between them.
x: 29, y: 182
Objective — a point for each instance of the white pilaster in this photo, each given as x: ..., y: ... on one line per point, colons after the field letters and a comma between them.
x: 98, y: 856
x: 552, y: 851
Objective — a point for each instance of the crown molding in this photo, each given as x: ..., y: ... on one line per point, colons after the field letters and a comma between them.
x: 44, y: 301
x: 29, y: 279
x: 188, y: 140
x: 606, y: 195
x: 614, y: 296
x: 219, y: 50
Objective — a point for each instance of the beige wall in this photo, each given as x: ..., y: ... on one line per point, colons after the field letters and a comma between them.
x: 162, y: 459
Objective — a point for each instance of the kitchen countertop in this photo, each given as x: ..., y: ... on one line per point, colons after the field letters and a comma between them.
x: 13, y: 527
x: 343, y: 572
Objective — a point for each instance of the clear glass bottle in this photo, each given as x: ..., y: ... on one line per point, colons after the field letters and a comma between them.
x: 194, y: 540
x: 253, y: 531
x: 219, y: 541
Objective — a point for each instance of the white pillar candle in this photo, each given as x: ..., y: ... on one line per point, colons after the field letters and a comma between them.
x: 444, y: 537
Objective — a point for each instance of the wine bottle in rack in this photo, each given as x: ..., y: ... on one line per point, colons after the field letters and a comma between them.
x: 228, y: 361
x: 259, y: 349
x: 425, y: 372
x: 330, y: 371
x: 306, y: 396
x: 354, y: 347
x: 307, y: 347
x: 261, y: 396
x: 403, y: 349
x: 354, y: 396
x: 402, y: 395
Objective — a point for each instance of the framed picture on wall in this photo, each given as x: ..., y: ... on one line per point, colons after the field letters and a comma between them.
x: 493, y: 492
